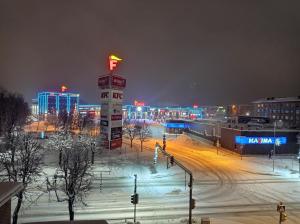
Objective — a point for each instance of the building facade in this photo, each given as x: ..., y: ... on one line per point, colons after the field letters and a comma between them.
x: 56, y: 102
x: 286, y: 110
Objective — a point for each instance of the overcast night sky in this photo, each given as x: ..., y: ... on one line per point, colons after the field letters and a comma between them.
x: 175, y: 52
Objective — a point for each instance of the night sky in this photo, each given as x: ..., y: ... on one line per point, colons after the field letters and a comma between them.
x: 175, y: 52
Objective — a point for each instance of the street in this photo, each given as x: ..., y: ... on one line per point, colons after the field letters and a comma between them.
x: 227, y: 189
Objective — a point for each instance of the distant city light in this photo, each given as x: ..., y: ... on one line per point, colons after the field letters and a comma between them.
x: 64, y: 88
x: 139, y: 103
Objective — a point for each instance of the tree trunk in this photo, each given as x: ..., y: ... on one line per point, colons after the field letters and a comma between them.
x: 60, y: 157
x: 141, y: 146
x: 131, y: 140
x: 18, y: 206
x: 71, y: 211
x: 93, y: 156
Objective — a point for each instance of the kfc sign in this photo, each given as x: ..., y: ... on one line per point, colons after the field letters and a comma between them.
x: 118, y: 96
x: 104, y: 95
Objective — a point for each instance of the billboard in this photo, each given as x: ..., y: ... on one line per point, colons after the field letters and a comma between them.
x: 116, y: 143
x: 245, y: 140
x: 118, y: 82
x: 111, y: 95
x: 116, y: 133
x: 103, y: 82
x: 104, y: 123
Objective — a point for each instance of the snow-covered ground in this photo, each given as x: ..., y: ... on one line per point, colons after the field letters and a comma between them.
x: 227, y: 189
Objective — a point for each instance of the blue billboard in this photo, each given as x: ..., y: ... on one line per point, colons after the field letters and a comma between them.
x: 244, y: 140
x: 176, y: 125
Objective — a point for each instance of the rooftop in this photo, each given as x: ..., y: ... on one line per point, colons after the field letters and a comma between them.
x: 8, y: 190
x: 278, y: 99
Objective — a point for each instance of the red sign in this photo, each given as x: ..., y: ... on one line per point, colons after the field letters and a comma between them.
x: 113, y: 61
x: 116, y: 117
x: 139, y: 103
x: 116, y: 143
x: 118, y: 81
x: 103, y: 81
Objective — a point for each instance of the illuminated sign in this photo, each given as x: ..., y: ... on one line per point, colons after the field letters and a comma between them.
x: 103, y: 81
x: 113, y: 61
x: 244, y: 140
x: 176, y: 125
x: 64, y: 88
x: 116, y: 117
x: 139, y: 103
x: 104, y: 95
x: 118, y: 95
x: 118, y: 82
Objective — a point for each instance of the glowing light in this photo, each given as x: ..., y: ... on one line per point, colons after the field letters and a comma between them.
x: 139, y: 103
x: 139, y: 109
x: 64, y: 88
x: 243, y: 140
x: 113, y: 61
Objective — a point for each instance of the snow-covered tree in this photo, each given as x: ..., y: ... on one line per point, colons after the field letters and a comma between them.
x: 88, y: 142
x: 72, y: 179
x: 131, y: 131
x: 21, y: 162
x: 59, y: 141
x: 144, y: 133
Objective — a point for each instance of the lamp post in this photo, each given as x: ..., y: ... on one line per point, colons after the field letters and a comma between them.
x: 273, y: 155
x: 276, y: 123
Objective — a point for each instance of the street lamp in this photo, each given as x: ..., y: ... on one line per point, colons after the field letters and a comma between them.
x: 276, y: 124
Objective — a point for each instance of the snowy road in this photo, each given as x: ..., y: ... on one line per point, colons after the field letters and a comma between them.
x: 238, y: 191
x: 227, y: 189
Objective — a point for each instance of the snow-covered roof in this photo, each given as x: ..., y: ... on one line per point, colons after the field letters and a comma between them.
x: 278, y: 100
x: 8, y: 190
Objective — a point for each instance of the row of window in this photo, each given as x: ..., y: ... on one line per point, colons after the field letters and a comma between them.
x: 276, y: 105
x: 286, y: 117
x: 278, y: 111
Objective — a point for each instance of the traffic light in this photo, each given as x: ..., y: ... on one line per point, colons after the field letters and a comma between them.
x: 134, y: 199
x: 172, y: 160
x: 164, y: 141
x: 193, y: 203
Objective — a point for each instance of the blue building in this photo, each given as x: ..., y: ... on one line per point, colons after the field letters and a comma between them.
x: 56, y: 102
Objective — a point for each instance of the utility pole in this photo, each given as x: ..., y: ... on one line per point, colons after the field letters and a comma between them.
x: 134, y: 198
x: 186, y: 170
x: 273, y: 156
